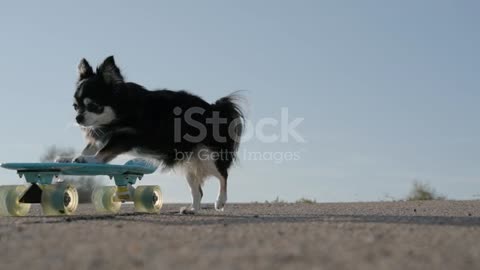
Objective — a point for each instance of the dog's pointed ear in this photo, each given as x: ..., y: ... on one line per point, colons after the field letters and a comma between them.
x: 84, y: 70
x: 110, y: 72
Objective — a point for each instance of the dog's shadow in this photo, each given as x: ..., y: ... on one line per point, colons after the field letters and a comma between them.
x: 207, y: 217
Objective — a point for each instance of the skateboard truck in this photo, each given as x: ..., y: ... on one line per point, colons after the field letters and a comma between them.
x: 124, y: 183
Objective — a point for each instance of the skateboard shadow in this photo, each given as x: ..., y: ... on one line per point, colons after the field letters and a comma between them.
x: 173, y: 218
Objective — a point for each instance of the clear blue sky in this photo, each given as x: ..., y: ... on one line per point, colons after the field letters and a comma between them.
x: 389, y: 89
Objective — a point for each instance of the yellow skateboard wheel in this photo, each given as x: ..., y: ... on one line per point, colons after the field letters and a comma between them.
x: 148, y: 199
x: 104, y: 199
x: 59, y: 199
x: 10, y: 201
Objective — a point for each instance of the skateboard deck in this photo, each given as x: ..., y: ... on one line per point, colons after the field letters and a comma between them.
x: 134, y: 167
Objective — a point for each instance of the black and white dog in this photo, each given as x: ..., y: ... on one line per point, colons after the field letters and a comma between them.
x: 174, y: 127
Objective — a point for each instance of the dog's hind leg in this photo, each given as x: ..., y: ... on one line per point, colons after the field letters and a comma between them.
x: 222, y: 176
x: 197, y: 194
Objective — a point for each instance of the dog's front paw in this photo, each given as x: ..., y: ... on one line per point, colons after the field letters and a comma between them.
x: 187, y: 211
x: 86, y: 159
x: 63, y: 160
x: 221, y: 201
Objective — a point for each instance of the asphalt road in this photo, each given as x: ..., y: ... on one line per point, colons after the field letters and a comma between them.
x: 384, y: 235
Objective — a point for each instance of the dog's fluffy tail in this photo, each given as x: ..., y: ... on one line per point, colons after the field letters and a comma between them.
x: 230, y: 107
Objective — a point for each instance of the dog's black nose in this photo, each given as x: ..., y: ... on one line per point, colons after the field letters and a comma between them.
x: 79, y: 119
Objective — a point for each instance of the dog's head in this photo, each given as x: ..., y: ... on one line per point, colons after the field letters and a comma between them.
x: 94, y: 98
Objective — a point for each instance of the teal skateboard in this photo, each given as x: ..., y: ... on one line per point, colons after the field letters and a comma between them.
x: 62, y: 199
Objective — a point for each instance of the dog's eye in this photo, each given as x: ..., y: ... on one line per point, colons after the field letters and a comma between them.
x: 93, y: 107
x: 75, y: 107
